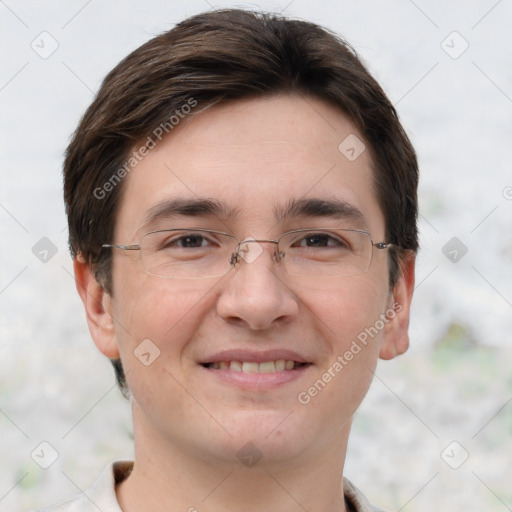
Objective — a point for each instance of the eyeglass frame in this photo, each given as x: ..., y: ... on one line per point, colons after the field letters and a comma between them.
x: 235, y: 256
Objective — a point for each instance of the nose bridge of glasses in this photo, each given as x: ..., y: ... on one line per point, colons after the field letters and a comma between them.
x: 251, y: 248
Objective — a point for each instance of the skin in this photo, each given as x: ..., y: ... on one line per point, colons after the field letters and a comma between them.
x: 189, y: 425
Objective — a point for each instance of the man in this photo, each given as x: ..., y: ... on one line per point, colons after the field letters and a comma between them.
x: 242, y: 212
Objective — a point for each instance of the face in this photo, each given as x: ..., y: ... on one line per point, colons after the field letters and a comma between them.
x: 255, y: 158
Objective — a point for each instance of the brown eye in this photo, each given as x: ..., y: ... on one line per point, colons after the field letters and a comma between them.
x: 186, y: 242
x: 320, y: 240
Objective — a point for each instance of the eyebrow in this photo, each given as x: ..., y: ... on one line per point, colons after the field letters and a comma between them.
x: 201, y: 207
x: 328, y: 208
x: 207, y: 207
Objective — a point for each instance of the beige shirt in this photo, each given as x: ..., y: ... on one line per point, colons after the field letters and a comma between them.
x: 102, y: 495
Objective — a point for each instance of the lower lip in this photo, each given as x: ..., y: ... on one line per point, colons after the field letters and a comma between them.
x: 257, y: 381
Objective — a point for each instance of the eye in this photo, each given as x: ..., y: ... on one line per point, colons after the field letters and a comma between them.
x: 320, y: 240
x: 184, y: 240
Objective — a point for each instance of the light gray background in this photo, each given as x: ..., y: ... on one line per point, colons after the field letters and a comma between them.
x: 455, y: 382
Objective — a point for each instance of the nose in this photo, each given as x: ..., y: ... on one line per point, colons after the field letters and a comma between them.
x: 255, y: 295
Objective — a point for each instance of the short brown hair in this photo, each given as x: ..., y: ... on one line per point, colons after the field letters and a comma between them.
x: 215, y: 57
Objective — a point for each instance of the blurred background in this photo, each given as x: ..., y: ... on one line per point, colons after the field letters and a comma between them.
x: 435, y: 431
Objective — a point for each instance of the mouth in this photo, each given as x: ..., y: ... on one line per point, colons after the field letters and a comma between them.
x: 255, y: 370
x: 279, y: 365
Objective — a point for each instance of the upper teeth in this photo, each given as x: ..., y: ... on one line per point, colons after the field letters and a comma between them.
x: 252, y: 367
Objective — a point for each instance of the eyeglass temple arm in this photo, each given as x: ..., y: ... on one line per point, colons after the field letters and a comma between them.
x: 122, y: 247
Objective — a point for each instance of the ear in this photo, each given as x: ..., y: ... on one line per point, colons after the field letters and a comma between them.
x: 396, y: 335
x: 98, y: 309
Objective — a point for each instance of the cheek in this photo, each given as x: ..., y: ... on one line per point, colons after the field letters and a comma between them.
x: 346, y: 319
x: 162, y: 310
x: 347, y: 309
x: 165, y: 313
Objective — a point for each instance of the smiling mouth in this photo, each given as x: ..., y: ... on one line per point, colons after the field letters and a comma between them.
x: 253, y: 367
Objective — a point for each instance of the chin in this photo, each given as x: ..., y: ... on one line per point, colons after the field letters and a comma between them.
x: 272, y: 436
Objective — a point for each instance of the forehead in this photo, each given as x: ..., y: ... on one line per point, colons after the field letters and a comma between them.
x: 254, y: 158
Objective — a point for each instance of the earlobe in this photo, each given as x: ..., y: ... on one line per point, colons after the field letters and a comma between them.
x: 98, y: 308
x: 396, y: 336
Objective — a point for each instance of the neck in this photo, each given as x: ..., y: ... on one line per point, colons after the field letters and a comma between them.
x: 169, y: 476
